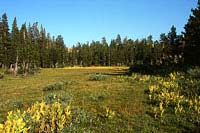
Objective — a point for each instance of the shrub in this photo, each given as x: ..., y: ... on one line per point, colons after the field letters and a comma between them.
x: 52, y: 98
x: 176, y: 95
x: 194, y: 72
x: 41, y: 117
x: 56, y: 86
x: 16, y: 104
x: 97, y: 77
x: 1, y: 75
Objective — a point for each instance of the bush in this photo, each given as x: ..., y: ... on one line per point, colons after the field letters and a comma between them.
x: 56, y: 86
x: 16, y: 104
x: 52, y: 98
x: 41, y: 117
x: 177, y: 96
x: 97, y: 77
x: 1, y: 75
x: 194, y: 72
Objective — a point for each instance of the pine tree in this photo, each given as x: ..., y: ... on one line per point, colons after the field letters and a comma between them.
x: 79, y: 59
x: 48, y: 47
x: 105, y: 51
x: 95, y: 53
x: 36, y: 37
x: 61, y: 50
x: 172, y: 37
x: 6, y: 43
x: 15, y: 42
x: 120, y: 53
x: 149, y: 50
x: 31, y: 47
x: 23, y: 50
x: 86, y: 55
x: 126, y: 51
x: 43, y: 55
x: 53, y: 54
x: 164, y: 41
x: 1, y: 45
x: 192, y: 35
x: 113, y: 54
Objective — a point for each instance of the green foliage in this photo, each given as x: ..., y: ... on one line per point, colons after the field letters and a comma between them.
x: 97, y: 77
x: 52, y: 117
x: 28, y: 48
x: 192, y: 35
x: 1, y: 75
x: 194, y: 72
x: 56, y: 86
x: 92, y: 104
x: 63, y: 98
x: 41, y: 117
x: 17, y: 104
x: 168, y: 96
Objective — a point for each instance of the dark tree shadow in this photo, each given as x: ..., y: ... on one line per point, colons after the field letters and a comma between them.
x: 118, y: 72
x: 160, y: 70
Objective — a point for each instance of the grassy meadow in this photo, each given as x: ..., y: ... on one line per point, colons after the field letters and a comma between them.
x: 102, y: 99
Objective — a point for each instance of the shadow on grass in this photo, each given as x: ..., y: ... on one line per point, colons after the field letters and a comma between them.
x: 160, y: 70
x: 117, y: 72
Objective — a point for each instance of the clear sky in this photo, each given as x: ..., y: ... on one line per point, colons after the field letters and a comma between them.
x: 86, y: 20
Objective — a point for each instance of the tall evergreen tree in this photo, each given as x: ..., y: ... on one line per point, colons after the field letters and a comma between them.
x: 192, y: 35
x: 1, y: 44
x: 23, y: 50
x: 165, y: 47
x: 6, y: 44
x: 53, y: 54
x: 120, y: 53
x: 113, y: 53
x: 172, y: 36
x: 15, y: 45
x: 32, y: 52
x: 36, y: 38
x: 61, y: 50
x: 43, y: 54
x: 105, y: 51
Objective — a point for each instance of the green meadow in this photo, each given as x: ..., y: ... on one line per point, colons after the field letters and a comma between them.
x: 101, y: 99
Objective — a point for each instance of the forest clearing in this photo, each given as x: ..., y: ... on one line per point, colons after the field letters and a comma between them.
x: 70, y: 74
x: 103, y: 99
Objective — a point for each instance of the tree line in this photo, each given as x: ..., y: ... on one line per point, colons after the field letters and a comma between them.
x: 29, y: 47
x: 125, y: 52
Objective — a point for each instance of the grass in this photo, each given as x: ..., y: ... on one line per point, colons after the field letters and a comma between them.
x: 122, y: 94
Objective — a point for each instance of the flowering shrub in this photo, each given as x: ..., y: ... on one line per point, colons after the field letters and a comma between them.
x: 167, y: 95
x: 41, y: 117
x: 14, y: 123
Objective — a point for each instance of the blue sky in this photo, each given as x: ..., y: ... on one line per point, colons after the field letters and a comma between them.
x: 87, y: 20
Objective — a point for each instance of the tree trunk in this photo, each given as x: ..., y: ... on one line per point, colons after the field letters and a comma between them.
x: 16, y: 67
x: 26, y: 69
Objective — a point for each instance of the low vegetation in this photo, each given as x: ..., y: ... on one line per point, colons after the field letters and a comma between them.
x: 121, y: 103
x: 160, y: 92
x: 97, y: 77
x: 1, y: 75
x: 56, y: 86
x: 175, y: 99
